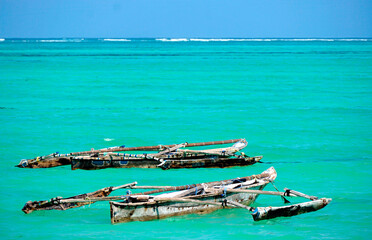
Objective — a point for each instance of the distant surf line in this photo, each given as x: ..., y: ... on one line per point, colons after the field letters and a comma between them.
x: 259, y: 39
x: 116, y: 40
x: 124, y: 40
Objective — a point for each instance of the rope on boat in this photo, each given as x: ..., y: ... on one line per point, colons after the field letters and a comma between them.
x: 284, y: 199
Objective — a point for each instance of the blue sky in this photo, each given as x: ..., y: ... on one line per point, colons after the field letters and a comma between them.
x: 186, y: 18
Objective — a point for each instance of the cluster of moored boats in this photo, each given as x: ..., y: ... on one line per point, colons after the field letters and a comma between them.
x: 167, y: 201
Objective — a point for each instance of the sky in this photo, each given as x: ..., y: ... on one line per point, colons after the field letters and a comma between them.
x: 186, y: 18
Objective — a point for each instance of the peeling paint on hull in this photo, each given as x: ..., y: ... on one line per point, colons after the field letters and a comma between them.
x: 124, y: 212
x: 208, y: 162
x: 45, y: 163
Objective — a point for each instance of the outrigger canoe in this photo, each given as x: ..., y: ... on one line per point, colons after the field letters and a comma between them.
x: 187, y: 199
x: 167, y: 157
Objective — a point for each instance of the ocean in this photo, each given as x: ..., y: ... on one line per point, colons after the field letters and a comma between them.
x: 304, y: 104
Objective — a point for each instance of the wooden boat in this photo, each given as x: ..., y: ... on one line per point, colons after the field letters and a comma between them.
x: 173, y: 157
x: 171, y: 162
x: 187, y: 199
x: 169, y: 156
x: 204, y: 199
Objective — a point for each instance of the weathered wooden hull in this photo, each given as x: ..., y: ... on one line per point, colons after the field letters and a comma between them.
x: 54, y: 203
x: 157, y: 209
x: 126, y: 212
x: 167, y: 157
x: 101, y: 163
x: 200, y: 162
x: 210, y: 162
x: 262, y: 213
x: 45, y: 163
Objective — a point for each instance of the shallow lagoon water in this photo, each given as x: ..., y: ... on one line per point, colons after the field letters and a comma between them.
x: 306, y: 106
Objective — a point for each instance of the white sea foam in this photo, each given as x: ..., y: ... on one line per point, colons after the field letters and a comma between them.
x: 274, y: 39
x: 354, y: 39
x: 231, y: 39
x: 51, y: 41
x: 116, y: 40
x: 259, y: 40
x: 108, y: 139
x: 320, y: 39
x: 218, y: 39
x: 308, y: 39
x: 172, y: 39
x: 61, y: 40
x: 77, y: 40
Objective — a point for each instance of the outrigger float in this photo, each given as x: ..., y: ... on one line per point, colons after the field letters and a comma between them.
x: 167, y: 157
x: 187, y: 199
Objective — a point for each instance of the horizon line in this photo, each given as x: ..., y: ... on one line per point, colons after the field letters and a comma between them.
x: 162, y: 37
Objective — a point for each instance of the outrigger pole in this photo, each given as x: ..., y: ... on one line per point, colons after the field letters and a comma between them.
x: 154, y: 148
x: 57, y: 159
x: 59, y: 203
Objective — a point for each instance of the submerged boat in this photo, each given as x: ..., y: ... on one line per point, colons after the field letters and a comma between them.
x: 187, y: 199
x: 167, y: 157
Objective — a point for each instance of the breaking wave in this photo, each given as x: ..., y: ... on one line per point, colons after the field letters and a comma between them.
x: 275, y: 39
x: 262, y: 39
x: 60, y: 40
x: 116, y: 40
x: 172, y: 39
x: 219, y: 39
x: 77, y: 40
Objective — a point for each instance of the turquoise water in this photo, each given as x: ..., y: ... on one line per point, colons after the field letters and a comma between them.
x: 306, y: 106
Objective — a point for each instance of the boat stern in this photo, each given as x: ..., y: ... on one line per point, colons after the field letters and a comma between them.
x: 271, y: 174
